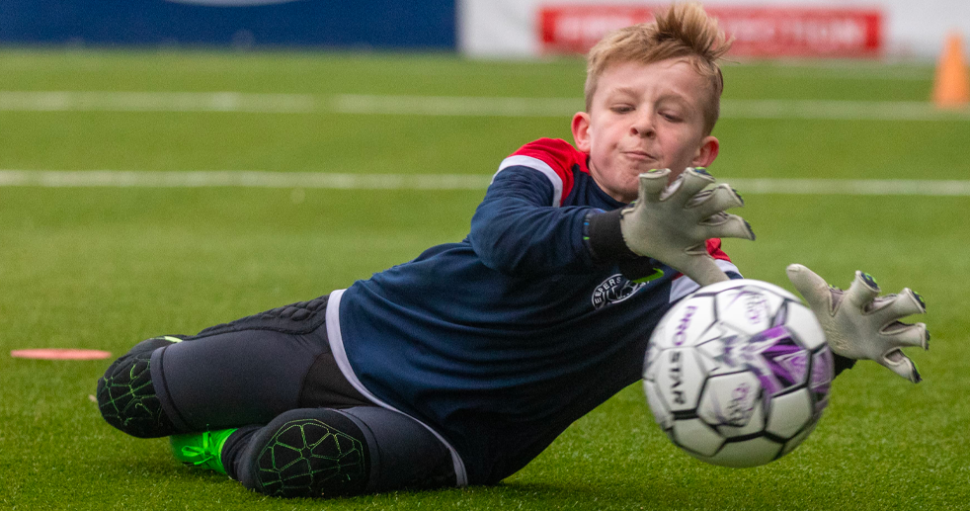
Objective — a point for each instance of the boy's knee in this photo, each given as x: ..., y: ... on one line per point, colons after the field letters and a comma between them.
x: 126, y: 395
x: 307, y: 453
x: 321, y: 452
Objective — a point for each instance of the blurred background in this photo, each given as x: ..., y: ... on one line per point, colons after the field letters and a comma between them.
x: 170, y: 165
x: 481, y: 28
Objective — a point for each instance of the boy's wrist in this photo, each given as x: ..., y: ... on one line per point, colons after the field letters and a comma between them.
x: 841, y: 363
x: 604, y: 237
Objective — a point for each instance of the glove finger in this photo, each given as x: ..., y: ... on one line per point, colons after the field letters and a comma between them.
x: 707, y: 203
x: 812, y: 287
x: 862, y: 291
x: 900, y: 364
x: 905, y: 335
x: 700, y: 268
x: 890, y: 308
x: 726, y: 225
x: 652, y: 184
x: 691, y: 181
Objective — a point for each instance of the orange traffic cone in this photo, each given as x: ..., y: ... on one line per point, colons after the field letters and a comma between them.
x: 952, y: 85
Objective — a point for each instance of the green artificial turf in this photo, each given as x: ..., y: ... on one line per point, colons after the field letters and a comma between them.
x: 104, y: 268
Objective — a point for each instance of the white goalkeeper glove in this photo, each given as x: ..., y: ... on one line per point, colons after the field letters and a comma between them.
x: 671, y: 223
x: 859, y: 324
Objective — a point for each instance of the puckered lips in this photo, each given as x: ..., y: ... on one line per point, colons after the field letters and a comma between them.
x: 640, y: 158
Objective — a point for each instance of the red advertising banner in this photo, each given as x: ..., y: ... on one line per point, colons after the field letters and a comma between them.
x: 757, y: 31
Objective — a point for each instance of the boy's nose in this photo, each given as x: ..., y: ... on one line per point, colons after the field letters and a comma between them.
x: 643, y: 128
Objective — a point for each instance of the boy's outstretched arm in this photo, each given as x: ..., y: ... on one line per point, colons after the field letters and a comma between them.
x: 518, y: 230
x: 861, y: 325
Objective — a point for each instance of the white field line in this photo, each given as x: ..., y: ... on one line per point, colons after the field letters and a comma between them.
x: 839, y: 110
x: 239, y: 179
x: 846, y: 73
x: 321, y: 180
x: 457, y: 105
x: 71, y: 101
x: 850, y: 187
x: 67, y: 101
x: 849, y: 70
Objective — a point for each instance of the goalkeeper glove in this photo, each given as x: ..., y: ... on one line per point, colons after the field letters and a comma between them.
x: 861, y: 325
x: 671, y: 223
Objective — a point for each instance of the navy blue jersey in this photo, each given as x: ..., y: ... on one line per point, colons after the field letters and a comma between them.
x: 501, y: 341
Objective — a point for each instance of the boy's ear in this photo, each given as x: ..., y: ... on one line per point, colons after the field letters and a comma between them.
x: 580, y: 128
x: 706, y: 153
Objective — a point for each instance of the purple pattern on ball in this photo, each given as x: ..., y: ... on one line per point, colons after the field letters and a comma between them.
x: 823, y: 367
x: 776, y: 358
x: 755, y: 310
x: 796, y: 364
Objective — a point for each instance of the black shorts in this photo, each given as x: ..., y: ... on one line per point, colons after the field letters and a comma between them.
x: 251, y: 370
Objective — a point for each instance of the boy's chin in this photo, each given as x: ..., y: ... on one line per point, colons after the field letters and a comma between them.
x: 630, y: 190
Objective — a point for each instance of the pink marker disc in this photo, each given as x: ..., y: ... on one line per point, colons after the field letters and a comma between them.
x: 60, y: 354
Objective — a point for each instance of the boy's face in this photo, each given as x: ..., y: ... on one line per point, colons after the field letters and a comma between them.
x: 643, y: 117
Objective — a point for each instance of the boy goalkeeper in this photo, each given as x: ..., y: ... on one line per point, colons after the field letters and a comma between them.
x: 461, y: 366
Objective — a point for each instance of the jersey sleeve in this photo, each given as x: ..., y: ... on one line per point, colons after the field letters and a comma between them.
x: 714, y: 248
x: 520, y: 226
x: 553, y: 158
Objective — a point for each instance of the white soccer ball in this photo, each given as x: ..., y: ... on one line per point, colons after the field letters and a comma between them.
x: 738, y: 373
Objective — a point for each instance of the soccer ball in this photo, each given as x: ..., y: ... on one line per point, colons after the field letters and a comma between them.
x: 738, y: 373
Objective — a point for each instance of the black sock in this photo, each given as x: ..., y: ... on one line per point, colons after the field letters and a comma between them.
x: 233, y: 448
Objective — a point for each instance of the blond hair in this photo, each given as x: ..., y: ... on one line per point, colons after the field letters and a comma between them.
x: 684, y: 30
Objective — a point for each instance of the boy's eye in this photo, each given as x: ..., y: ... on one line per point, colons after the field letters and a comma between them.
x: 622, y: 109
x: 670, y: 116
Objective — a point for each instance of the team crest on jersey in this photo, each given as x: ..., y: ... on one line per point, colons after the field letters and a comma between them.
x: 615, y: 289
